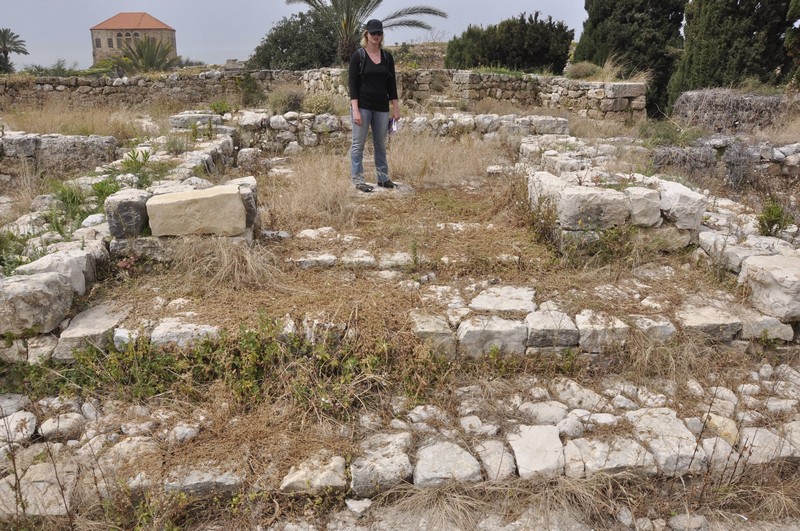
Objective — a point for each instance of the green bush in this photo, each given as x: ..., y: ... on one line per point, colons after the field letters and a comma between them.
x: 773, y: 218
x: 221, y: 107
x: 251, y: 93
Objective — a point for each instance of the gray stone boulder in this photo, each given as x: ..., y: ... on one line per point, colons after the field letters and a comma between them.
x: 34, y: 303
x: 774, y: 283
x: 91, y: 328
x: 203, y: 479
x: 760, y: 446
x: 505, y: 299
x: 645, y: 206
x: 584, y: 457
x: 248, y: 188
x: 709, y: 320
x: 63, y: 427
x: 18, y: 427
x: 72, y: 152
x: 498, y: 462
x: 600, y: 331
x: 188, y: 119
x: 217, y: 211
x: 126, y: 212
x: 443, y: 462
x: 544, y: 188
x: 172, y: 332
x: 44, y: 490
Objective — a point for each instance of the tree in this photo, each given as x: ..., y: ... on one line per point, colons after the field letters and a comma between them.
x: 521, y: 43
x: 729, y: 42
x: 146, y: 55
x: 10, y: 43
x: 641, y: 35
x: 792, y: 40
x: 300, y: 42
x: 347, y: 18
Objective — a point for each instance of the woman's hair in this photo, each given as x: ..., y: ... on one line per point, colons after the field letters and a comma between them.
x: 364, y: 39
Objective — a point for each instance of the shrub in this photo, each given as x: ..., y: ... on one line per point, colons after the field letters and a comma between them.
x: 318, y: 103
x: 285, y: 99
x: 582, y: 70
x: 221, y: 107
x: 773, y: 218
x: 251, y: 92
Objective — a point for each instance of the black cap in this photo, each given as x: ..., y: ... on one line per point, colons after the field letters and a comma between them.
x: 374, y: 25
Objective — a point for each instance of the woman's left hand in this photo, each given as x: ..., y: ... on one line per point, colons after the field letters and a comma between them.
x: 396, y: 114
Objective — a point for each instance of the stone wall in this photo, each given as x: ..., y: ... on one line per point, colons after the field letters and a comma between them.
x: 728, y: 111
x: 617, y: 101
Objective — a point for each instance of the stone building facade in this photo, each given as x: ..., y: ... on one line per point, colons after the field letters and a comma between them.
x: 110, y: 36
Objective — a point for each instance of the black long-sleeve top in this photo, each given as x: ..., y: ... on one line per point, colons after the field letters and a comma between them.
x: 377, y: 87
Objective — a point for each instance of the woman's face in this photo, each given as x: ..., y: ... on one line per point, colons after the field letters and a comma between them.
x: 375, y: 37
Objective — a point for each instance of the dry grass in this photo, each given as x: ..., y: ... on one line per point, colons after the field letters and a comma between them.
x: 60, y: 118
x: 26, y: 183
x: 220, y: 262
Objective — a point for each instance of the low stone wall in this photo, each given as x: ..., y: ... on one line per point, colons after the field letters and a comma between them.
x: 727, y: 111
x: 616, y: 101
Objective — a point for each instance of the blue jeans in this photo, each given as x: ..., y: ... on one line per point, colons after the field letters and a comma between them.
x: 380, y: 131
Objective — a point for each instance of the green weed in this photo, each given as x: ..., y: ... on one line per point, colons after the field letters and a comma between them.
x: 773, y: 218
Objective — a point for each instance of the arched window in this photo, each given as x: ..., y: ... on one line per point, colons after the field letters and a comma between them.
x: 127, y: 38
x: 119, y: 40
x: 110, y: 42
x: 136, y: 37
x: 97, y: 42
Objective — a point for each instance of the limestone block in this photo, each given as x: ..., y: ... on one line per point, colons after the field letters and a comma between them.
x: 248, y: 188
x: 319, y: 473
x: 656, y: 328
x: 77, y: 265
x: 758, y: 326
x: 434, y: 330
x: 45, y: 490
x: 681, y: 205
x: 13, y: 351
x: 549, y: 125
x: 10, y: 403
x: 760, y: 445
x: 673, y: 446
x: 20, y: 145
x: 359, y: 258
x: 599, y: 331
x: 723, y: 459
x: 173, y: 332
x: 93, y: 327
x: 716, y: 323
x: 498, y: 462
x: 544, y: 188
x: 325, y: 123
x: 548, y: 413
x: 551, y: 328
x: 591, y: 208
x: 577, y: 397
x: 253, y: 121
x: 203, y: 479
x: 18, y: 427
x: 385, y: 464
x: 186, y: 120
x: 34, y: 303
x: 444, y: 462
x: 624, y: 90
x: 645, y: 206
x: 248, y: 159
x: 63, y: 427
x: 538, y: 451
x: 504, y: 299
x: 218, y: 211
x: 665, y: 238
x: 585, y: 457
x: 479, y: 335
x: 774, y: 283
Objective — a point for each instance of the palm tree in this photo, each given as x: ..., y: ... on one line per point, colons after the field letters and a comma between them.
x: 10, y: 43
x: 146, y: 55
x: 349, y: 16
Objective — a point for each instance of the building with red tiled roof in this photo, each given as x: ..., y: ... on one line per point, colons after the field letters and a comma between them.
x: 109, y: 37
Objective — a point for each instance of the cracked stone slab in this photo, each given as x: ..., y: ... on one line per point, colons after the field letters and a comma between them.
x: 538, y: 451
x: 385, y: 464
x: 505, y: 299
x: 675, y: 449
x: 480, y: 335
x: 585, y: 457
x: 443, y: 462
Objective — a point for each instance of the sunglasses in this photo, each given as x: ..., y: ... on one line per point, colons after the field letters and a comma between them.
x: 378, y: 33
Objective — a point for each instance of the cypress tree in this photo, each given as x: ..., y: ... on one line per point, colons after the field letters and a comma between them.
x: 729, y: 41
x: 641, y: 34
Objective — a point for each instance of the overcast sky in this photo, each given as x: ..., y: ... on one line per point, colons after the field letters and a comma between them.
x: 213, y: 30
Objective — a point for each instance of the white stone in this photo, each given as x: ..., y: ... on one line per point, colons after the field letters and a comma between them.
x: 480, y: 335
x: 384, y: 464
x: 681, y: 205
x: 498, y: 462
x: 203, y: 479
x: 600, y: 331
x: 505, y: 299
x: 173, y: 332
x: 91, y: 328
x: 715, y: 323
x: 585, y: 457
x: 434, y: 330
x: 359, y: 258
x: 656, y: 328
x: 219, y: 211
x: 551, y: 328
x: 63, y: 427
x: 585, y: 208
x: 576, y: 396
x: 673, y: 446
x: 78, y: 266
x: 444, y: 462
x: 316, y: 474
x: 18, y: 427
x: 774, y: 284
x: 538, y: 451
x: 645, y: 206
x: 723, y: 460
x: 544, y: 413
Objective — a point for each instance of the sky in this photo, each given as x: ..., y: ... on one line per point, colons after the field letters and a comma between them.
x: 213, y: 31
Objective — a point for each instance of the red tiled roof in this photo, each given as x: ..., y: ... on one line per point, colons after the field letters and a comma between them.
x: 131, y: 21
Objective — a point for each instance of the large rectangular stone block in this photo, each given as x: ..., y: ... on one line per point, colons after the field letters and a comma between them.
x: 218, y: 211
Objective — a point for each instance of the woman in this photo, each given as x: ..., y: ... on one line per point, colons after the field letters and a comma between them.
x: 373, y: 88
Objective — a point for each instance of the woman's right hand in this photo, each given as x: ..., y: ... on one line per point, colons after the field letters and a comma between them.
x: 357, y: 117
